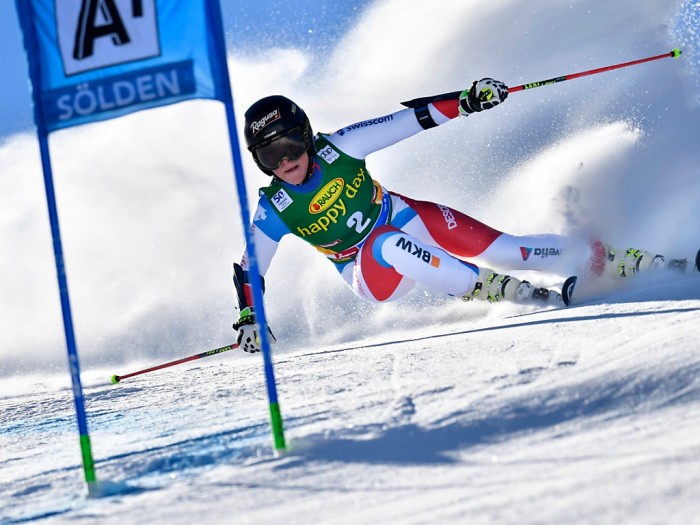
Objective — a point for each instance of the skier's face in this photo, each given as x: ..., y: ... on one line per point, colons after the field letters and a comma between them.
x: 293, y: 171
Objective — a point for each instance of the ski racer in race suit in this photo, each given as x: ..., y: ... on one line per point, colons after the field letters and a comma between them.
x: 382, y: 243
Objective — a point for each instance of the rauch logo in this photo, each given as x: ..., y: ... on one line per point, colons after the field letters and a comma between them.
x: 325, y: 198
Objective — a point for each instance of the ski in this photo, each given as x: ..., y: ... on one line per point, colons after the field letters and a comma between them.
x: 567, y: 290
x: 681, y: 266
x: 549, y: 297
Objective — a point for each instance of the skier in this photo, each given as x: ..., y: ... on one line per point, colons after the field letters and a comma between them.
x: 381, y: 242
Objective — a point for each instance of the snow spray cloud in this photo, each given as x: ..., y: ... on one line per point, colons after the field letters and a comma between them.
x: 686, y: 29
x: 146, y: 221
x: 147, y: 203
x: 466, y: 163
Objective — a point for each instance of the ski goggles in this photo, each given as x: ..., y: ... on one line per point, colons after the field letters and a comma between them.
x: 290, y: 146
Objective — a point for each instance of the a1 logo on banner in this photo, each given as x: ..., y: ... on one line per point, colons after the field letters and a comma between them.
x: 93, y: 34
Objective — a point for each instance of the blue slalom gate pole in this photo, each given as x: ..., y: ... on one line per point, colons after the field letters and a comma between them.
x: 275, y: 413
x: 73, y: 362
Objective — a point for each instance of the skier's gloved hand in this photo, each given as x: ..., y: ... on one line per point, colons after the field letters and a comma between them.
x: 248, y: 332
x: 484, y: 94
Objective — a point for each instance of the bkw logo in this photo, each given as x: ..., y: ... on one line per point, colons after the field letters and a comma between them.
x: 98, y: 33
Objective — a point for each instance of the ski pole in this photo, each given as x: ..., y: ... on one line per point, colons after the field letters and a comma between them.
x: 116, y: 379
x: 417, y: 102
x: 674, y: 53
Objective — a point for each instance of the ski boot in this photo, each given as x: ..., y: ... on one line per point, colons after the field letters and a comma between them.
x: 494, y: 287
x: 626, y: 263
x: 629, y: 262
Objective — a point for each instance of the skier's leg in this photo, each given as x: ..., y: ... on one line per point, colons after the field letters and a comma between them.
x: 391, y: 261
x: 546, y: 252
x: 438, y: 225
x: 374, y: 282
x: 469, y: 239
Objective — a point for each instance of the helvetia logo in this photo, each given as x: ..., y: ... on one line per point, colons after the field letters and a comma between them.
x: 542, y: 253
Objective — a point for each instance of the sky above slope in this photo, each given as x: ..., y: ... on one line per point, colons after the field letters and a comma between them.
x: 259, y: 24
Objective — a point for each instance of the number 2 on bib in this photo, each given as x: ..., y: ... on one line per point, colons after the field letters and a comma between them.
x: 355, y: 221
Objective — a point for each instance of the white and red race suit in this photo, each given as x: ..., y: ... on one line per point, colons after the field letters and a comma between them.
x: 382, y: 243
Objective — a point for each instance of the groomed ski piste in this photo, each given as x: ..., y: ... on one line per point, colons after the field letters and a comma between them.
x: 583, y: 415
x: 429, y: 410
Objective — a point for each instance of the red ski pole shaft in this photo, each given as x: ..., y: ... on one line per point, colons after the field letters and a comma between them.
x: 418, y: 102
x: 675, y: 53
x: 116, y: 379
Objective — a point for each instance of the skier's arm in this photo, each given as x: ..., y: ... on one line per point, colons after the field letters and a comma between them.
x: 268, y: 230
x: 362, y: 138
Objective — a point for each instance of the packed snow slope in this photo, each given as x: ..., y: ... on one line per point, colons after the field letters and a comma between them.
x: 428, y: 410
x: 584, y: 415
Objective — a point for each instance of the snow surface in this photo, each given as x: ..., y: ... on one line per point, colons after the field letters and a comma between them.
x: 428, y: 410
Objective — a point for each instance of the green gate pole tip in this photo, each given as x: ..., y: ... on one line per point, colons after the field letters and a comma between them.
x: 115, y: 379
x: 277, y: 429
x: 676, y: 52
x: 88, y: 465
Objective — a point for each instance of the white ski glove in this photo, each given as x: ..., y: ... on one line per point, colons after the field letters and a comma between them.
x: 248, y: 337
x: 484, y: 94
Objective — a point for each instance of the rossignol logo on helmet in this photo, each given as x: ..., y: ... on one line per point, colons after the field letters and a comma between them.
x: 258, y: 125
